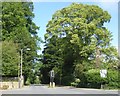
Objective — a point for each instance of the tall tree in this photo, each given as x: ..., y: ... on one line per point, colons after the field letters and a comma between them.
x: 17, y: 25
x: 80, y: 30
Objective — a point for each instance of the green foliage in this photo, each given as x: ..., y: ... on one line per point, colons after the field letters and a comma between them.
x: 73, y: 35
x: 93, y: 75
x: 76, y: 82
x: 17, y: 26
x: 28, y: 81
x: 79, y: 69
x: 66, y: 80
x: 37, y: 81
x: 113, y: 79
x: 94, y: 79
x: 10, y: 58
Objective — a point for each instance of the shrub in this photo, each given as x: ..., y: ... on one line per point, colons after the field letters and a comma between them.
x: 66, y: 80
x: 37, y: 81
x: 78, y: 72
x: 94, y: 79
x: 93, y: 76
x: 113, y: 81
x: 76, y: 82
x: 27, y: 81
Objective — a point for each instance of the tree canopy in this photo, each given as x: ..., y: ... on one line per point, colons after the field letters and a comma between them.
x: 18, y: 26
x: 77, y: 44
x: 75, y: 36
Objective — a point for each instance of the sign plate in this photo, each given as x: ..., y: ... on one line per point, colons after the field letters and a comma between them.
x: 103, y: 73
x: 52, y: 73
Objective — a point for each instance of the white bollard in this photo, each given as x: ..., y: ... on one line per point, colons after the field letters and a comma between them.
x: 50, y: 84
x: 53, y: 84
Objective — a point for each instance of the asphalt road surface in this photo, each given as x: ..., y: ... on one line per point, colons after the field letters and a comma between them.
x: 57, y: 90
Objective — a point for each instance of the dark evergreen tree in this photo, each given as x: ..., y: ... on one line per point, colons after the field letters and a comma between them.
x: 18, y: 26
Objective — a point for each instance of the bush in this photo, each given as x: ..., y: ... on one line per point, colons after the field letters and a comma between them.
x: 37, y: 81
x: 66, y: 80
x: 113, y: 81
x: 79, y: 69
x: 94, y: 79
x: 76, y: 82
x: 27, y: 81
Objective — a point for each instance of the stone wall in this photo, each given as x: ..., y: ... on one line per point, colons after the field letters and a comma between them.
x: 11, y: 85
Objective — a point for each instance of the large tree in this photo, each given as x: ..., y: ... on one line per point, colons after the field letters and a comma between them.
x: 76, y: 34
x: 17, y: 25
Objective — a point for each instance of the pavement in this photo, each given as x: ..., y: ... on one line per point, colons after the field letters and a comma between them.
x: 43, y: 89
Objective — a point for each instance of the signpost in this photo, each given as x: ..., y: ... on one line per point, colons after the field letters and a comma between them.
x: 103, y: 74
x: 52, y: 75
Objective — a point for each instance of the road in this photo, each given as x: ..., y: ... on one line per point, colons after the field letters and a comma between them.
x: 57, y: 90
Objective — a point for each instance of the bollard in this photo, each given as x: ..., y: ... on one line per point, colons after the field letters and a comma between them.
x: 50, y: 84
x: 53, y: 84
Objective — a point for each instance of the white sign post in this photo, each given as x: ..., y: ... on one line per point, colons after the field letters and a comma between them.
x: 103, y: 74
x: 52, y: 75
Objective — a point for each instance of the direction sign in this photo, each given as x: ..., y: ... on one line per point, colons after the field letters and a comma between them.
x: 103, y: 73
x: 52, y: 73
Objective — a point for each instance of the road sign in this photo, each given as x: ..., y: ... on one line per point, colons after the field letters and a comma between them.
x: 103, y: 73
x: 52, y: 73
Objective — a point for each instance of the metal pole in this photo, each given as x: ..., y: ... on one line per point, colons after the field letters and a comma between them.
x: 21, y: 62
x: 18, y: 70
x: 18, y: 76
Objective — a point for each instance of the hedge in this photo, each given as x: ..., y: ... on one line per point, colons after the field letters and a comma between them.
x: 94, y: 79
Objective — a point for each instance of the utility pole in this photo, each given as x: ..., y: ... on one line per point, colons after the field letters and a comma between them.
x: 21, y: 63
x: 21, y: 75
